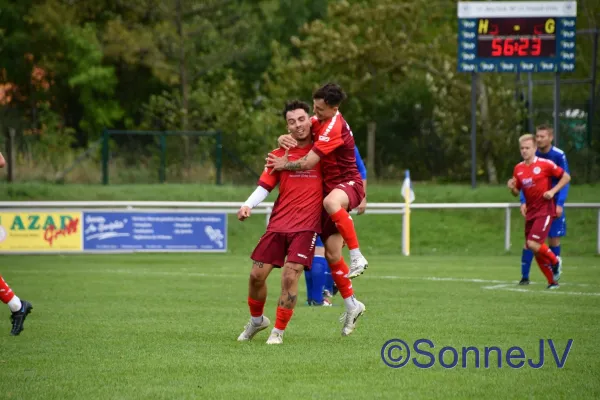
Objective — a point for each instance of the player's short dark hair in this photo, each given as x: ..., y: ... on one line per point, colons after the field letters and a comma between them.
x: 331, y: 93
x: 295, y: 105
x: 545, y: 127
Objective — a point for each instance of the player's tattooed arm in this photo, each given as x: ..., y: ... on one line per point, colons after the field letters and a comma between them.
x: 280, y: 163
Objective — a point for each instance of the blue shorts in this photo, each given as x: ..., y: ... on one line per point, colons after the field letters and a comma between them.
x: 319, y: 242
x: 558, y: 227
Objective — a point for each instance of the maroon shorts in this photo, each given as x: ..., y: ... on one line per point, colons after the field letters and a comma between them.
x: 537, y: 229
x: 273, y: 247
x: 355, y: 193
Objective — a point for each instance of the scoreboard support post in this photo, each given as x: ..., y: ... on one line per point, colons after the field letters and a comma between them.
x: 473, y: 129
x: 556, y: 108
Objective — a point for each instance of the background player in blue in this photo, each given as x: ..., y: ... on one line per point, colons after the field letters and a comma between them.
x: 543, y: 136
x: 319, y: 283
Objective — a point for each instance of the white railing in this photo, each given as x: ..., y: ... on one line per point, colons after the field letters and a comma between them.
x: 266, y: 207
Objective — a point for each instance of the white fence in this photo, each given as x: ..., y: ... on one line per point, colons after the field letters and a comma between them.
x: 265, y: 208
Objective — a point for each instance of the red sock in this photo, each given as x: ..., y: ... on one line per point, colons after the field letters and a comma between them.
x: 256, y: 307
x: 545, y: 268
x: 344, y: 224
x: 283, y: 317
x: 339, y: 273
x: 6, y: 293
x: 545, y: 250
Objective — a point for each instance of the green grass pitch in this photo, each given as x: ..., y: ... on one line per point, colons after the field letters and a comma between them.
x: 152, y: 326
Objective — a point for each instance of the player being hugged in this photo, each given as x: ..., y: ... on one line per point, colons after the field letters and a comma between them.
x: 292, y: 230
x: 534, y: 177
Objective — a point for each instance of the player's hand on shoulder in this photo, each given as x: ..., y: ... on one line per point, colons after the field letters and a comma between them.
x: 244, y: 213
x: 524, y: 209
x: 287, y: 141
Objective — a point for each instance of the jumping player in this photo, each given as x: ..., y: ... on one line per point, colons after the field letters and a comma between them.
x: 319, y: 275
x: 544, y: 136
x: 533, y: 176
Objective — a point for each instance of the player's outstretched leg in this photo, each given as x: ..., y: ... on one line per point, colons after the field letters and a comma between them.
x: 257, y: 296
x: 336, y: 204
x: 339, y: 271
x: 19, y: 308
x: 287, y: 301
x: 526, y: 259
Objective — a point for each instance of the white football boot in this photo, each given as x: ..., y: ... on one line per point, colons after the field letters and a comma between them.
x: 358, y: 265
x: 275, y: 338
x: 349, y: 318
x: 250, y: 329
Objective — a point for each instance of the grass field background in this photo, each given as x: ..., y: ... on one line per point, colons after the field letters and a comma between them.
x: 158, y: 326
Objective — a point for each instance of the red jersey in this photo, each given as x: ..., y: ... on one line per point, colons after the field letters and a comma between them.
x: 300, y: 202
x: 535, y: 180
x: 334, y: 143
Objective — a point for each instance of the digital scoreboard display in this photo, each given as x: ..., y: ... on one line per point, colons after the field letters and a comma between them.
x: 516, y: 36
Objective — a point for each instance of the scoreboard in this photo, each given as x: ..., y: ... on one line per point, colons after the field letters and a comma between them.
x: 502, y: 36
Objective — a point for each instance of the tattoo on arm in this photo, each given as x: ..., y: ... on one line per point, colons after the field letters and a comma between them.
x: 296, y: 165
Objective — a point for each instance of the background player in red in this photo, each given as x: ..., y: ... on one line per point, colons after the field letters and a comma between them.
x: 19, y: 308
x: 534, y: 177
x: 291, y: 232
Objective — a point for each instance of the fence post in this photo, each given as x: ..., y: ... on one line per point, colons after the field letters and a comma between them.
x: 507, y: 229
x: 11, y: 156
x: 219, y: 156
x: 163, y: 158
x: 598, y: 250
x: 105, y: 156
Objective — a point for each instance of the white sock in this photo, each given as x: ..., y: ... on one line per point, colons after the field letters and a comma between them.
x: 15, y: 304
x: 275, y: 330
x: 350, y: 303
x: 257, y: 320
x: 355, y: 253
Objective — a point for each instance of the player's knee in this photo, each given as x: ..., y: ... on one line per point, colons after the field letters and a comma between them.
x: 554, y: 242
x: 290, y: 274
x: 257, y: 277
x: 331, y: 204
x: 333, y: 256
x: 533, y: 245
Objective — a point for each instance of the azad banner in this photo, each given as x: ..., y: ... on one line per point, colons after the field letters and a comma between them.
x: 40, y: 231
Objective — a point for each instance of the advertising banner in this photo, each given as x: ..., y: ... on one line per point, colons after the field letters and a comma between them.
x: 133, y: 231
x: 40, y: 232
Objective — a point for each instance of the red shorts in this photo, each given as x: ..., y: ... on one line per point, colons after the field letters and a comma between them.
x: 273, y: 247
x: 355, y: 193
x: 537, y: 229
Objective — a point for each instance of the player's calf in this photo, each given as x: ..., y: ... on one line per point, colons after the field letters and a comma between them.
x: 290, y: 276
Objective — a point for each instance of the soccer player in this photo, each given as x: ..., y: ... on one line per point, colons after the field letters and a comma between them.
x: 533, y: 176
x: 544, y: 136
x: 19, y: 308
x: 319, y: 275
x: 334, y: 147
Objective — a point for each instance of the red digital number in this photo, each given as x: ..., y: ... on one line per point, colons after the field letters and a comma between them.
x: 496, y: 47
x: 509, y: 48
x: 536, y: 47
x: 523, y: 47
